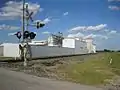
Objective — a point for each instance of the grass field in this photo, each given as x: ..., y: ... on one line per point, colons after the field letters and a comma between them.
x: 96, y: 69
x: 6, y: 58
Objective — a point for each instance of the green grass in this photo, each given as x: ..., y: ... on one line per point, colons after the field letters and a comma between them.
x: 96, y: 70
x: 115, y: 66
x: 6, y: 58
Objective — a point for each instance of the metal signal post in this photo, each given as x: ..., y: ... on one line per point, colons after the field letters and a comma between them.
x: 24, y: 43
x: 26, y: 35
x: 23, y: 29
x: 23, y: 21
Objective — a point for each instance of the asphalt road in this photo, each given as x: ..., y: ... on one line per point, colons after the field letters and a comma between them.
x: 10, y: 80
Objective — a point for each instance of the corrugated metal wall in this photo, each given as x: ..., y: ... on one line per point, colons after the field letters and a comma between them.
x: 1, y: 50
x: 12, y: 50
x: 80, y: 47
x: 42, y: 51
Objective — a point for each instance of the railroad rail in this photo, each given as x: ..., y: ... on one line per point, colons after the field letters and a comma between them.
x: 14, y: 60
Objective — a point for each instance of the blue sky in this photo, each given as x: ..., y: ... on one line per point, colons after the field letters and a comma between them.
x: 98, y: 19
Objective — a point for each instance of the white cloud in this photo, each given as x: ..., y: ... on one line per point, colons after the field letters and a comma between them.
x: 96, y: 28
x: 88, y: 28
x: 80, y: 35
x: 76, y: 35
x: 90, y: 36
x: 106, y: 30
x: 79, y: 28
x: 96, y: 36
x: 11, y: 34
x: 102, y: 37
x: 46, y: 32
x: 65, y: 14
x: 112, y: 32
x: 47, y: 20
x: 13, y: 10
x: 114, y: 7
x: 7, y: 27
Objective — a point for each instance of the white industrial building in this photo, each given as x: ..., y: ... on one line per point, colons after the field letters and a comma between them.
x: 79, y: 46
x: 90, y: 46
x: 9, y: 50
x: 44, y: 48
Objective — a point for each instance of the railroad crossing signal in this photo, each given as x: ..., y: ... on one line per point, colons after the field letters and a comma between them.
x: 26, y: 35
x: 28, y: 14
x: 39, y: 24
x: 18, y: 34
x: 30, y: 35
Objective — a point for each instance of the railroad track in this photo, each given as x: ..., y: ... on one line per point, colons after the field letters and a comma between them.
x: 15, y: 60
